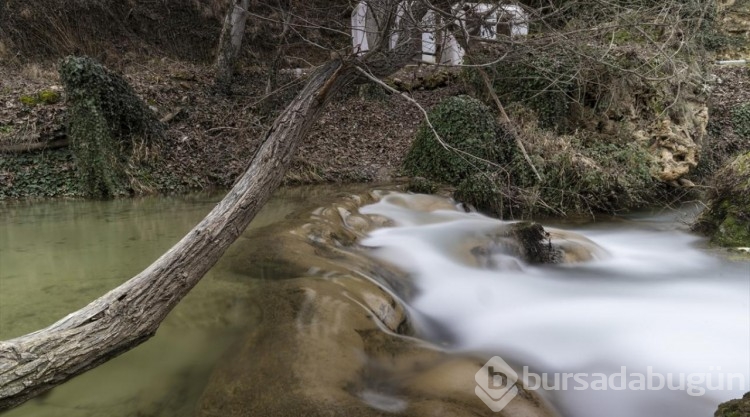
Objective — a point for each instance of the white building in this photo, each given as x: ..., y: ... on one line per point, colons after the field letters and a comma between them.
x: 484, y: 20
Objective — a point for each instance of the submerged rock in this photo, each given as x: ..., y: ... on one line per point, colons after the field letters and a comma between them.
x: 492, y: 245
x: 510, y: 245
x: 727, y: 218
x: 334, y: 337
x: 320, y: 350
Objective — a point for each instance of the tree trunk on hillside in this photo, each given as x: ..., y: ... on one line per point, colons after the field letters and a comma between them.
x: 230, y: 43
x: 131, y: 313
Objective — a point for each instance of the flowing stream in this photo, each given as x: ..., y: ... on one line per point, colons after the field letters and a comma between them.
x: 653, y: 301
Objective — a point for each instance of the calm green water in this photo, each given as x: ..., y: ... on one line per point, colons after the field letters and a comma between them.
x: 56, y: 257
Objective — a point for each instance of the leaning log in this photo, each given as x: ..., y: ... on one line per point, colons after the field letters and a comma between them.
x: 131, y: 313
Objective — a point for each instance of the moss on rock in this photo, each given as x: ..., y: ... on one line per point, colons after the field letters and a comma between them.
x: 741, y: 120
x: 48, y: 96
x: 585, y: 173
x: 727, y: 218
x: 421, y: 185
x: 579, y: 175
x: 105, y: 119
x: 735, y: 408
x: 41, y: 97
x: 593, y: 176
x: 28, y: 100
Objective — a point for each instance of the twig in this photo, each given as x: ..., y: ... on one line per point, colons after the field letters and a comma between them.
x: 427, y: 119
x: 216, y: 129
x: 168, y: 118
x: 505, y: 120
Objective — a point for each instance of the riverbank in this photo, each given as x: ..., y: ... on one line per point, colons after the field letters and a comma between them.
x: 363, y: 135
x: 210, y: 137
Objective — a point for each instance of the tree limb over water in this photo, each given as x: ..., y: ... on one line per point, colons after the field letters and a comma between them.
x: 131, y: 313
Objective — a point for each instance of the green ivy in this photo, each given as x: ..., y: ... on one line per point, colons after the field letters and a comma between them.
x: 541, y: 83
x: 741, y: 120
x: 49, y: 173
x: 105, y: 116
x: 465, y: 124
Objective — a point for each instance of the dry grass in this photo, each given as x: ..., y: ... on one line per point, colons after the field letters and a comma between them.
x: 40, y: 72
x: 51, y: 29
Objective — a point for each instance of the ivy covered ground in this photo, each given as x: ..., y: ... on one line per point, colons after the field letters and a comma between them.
x: 209, y: 138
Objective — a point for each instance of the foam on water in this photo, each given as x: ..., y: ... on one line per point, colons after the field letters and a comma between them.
x: 656, y: 301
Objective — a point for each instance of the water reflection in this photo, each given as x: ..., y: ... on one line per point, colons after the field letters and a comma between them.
x: 57, y: 256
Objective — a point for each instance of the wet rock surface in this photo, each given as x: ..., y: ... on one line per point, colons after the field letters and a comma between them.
x: 334, y: 337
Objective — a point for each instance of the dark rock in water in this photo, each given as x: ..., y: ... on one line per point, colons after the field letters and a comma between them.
x: 528, y: 241
x: 535, y: 243
x: 735, y: 408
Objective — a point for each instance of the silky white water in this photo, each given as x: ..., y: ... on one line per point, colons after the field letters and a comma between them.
x: 654, y: 302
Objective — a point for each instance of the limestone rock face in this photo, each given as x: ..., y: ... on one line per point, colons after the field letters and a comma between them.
x: 674, y: 149
x: 736, y: 16
x: 735, y: 22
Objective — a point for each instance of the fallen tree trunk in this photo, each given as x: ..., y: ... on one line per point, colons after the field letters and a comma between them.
x: 131, y: 313
x: 59, y: 139
x: 35, y: 146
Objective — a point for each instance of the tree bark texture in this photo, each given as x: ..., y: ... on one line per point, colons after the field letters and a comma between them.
x: 132, y: 312
x: 230, y: 42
